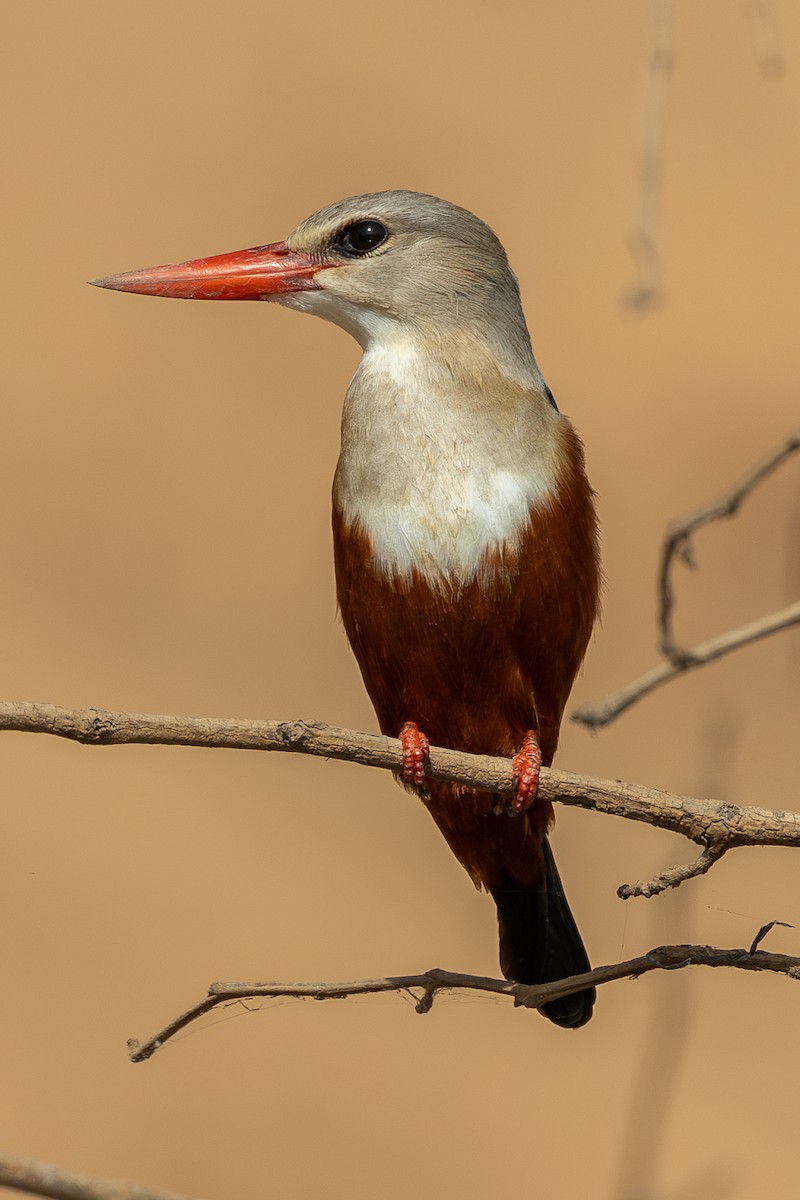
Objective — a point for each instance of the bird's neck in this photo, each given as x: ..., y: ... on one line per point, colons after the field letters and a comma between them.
x: 445, y: 452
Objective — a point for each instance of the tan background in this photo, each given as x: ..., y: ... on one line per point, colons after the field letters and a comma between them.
x: 165, y: 473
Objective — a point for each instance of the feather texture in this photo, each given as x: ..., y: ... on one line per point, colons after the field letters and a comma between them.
x: 477, y: 662
x: 465, y: 538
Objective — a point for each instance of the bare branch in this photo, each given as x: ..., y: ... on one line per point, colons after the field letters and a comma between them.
x: 430, y: 983
x: 43, y: 1179
x: 675, y: 876
x: 710, y: 823
x: 99, y: 727
x: 648, y: 289
x: 678, y: 545
x: 713, y: 824
x: 769, y: 57
x: 596, y: 715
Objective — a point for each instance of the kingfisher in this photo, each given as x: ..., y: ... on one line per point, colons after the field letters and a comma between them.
x: 464, y: 526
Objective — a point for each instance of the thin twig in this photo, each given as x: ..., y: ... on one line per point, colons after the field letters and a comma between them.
x: 768, y: 55
x: 678, y: 545
x: 674, y: 876
x: 648, y: 289
x: 764, y: 930
x: 44, y: 1179
x: 596, y: 715
x: 430, y: 983
x: 709, y: 823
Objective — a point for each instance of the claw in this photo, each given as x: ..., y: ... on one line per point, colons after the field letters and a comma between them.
x: 415, y: 752
x: 526, y: 764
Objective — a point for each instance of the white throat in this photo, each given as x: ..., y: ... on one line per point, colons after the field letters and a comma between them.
x: 437, y: 472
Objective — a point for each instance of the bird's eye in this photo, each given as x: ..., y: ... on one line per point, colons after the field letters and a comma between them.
x: 361, y: 237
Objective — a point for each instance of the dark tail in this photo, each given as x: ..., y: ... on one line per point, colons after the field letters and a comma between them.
x: 540, y: 943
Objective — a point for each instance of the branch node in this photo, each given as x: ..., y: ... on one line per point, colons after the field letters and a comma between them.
x: 99, y: 727
x: 677, y: 544
x: 424, y: 1002
x: 530, y: 996
x: 675, y: 876
x: 707, y: 822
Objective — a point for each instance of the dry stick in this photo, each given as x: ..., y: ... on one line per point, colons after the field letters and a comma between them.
x: 602, y: 713
x: 678, y: 545
x: 768, y: 54
x: 648, y: 289
x: 430, y: 983
x: 43, y: 1179
x: 715, y: 826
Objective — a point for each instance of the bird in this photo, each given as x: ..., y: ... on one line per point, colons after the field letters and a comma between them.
x: 465, y: 531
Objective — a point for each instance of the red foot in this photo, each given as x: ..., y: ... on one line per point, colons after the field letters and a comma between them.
x: 526, y: 763
x: 415, y: 751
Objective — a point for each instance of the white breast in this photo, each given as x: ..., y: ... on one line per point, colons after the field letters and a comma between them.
x: 435, y: 473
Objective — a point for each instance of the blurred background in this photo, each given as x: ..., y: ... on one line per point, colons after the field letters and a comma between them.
x: 165, y: 474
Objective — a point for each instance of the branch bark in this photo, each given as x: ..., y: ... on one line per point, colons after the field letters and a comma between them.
x: 712, y: 824
x: 677, y: 545
x: 429, y: 983
x: 43, y: 1179
x: 594, y: 716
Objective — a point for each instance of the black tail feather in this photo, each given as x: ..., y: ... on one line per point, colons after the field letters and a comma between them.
x: 540, y: 943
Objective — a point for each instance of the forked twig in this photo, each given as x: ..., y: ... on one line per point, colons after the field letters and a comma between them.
x: 678, y: 545
x: 712, y: 824
x: 604, y: 711
x: 430, y: 983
